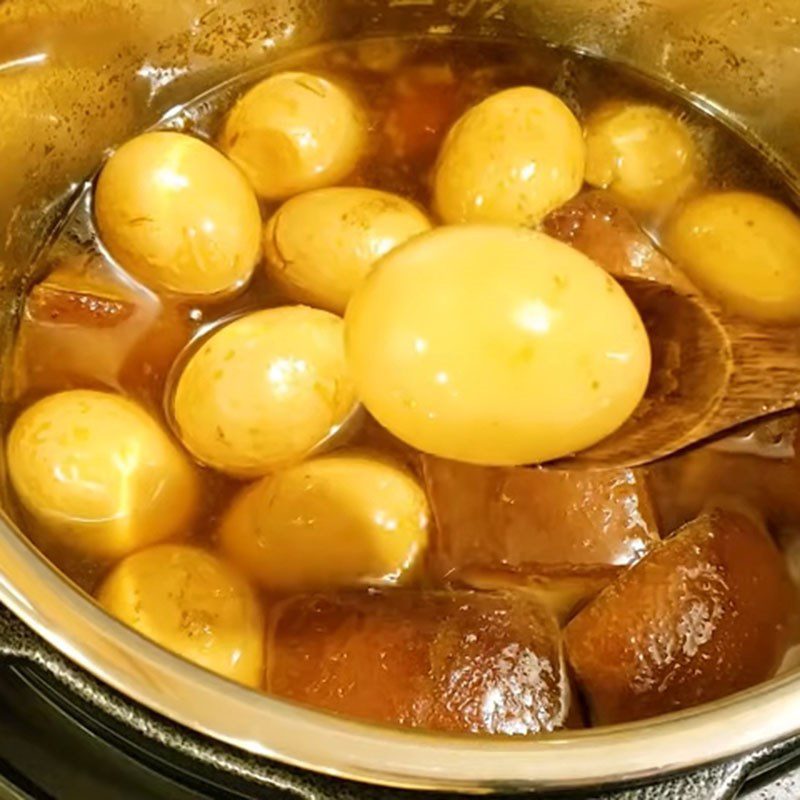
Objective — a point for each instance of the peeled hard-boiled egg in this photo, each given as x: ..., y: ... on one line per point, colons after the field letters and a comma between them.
x: 641, y: 152
x: 496, y: 346
x: 192, y: 603
x: 293, y: 132
x: 177, y: 215
x: 99, y: 473
x: 512, y: 158
x: 320, y: 245
x: 742, y: 248
x: 264, y: 390
x: 339, y: 520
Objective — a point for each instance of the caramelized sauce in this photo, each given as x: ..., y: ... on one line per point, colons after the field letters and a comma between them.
x: 86, y: 324
x: 89, y: 325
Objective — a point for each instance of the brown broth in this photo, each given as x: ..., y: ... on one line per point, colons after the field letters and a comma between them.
x: 421, y: 85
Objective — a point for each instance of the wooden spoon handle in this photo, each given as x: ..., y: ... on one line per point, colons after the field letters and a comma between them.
x: 765, y: 375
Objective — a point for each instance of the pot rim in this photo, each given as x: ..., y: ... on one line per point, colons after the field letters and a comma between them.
x: 71, y: 622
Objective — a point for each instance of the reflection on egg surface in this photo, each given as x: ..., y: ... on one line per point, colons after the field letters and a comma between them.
x: 513, y: 158
x: 495, y: 346
x: 264, y: 390
x: 194, y: 604
x: 348, y: 519
x: 177, y: 215
x: 99, y: 473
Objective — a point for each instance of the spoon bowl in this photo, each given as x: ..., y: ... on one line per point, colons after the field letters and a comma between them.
x: 710, y: 371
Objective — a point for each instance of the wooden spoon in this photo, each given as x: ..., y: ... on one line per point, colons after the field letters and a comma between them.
x: 711, y: 371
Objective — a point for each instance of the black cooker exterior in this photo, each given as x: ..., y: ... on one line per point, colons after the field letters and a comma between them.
x: 65, y: 736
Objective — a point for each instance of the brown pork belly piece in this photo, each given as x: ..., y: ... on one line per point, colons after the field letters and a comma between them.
x: 707, y: 613
x: 603, y: 229
x: 82, y: 326
x: 757, y: 469
x: 514, y: 516
x: 561, y: 589
x: 447, y: 661
x: 563, y: 535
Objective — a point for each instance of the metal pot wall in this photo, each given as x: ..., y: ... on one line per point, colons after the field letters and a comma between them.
x: 81, y: 76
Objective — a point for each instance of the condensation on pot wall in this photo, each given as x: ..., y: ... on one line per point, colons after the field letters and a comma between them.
x: 77, y: 82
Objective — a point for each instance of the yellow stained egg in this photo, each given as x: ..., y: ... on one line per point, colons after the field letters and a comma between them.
x: 99, y: 473
x: 178, y: 215
x: 264, y: 390
x: 340, y: 520
x: 495, y: 345
x: 641, y: 152
x: 742, y: 248
x: 192, y: 603
x: 512, y: 158
x: 293, y: 132
x: 320, y: 245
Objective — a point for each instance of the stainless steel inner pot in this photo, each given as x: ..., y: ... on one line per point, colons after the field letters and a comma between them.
x: 79, y: 76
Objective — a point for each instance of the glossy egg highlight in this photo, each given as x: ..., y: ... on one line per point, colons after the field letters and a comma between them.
x: 99, y: 473
x: 178, y: 215
x: 347, y: 519
x: 192, y: 603
x: 293, y: 132
x: 264, y: 390
x: 512, y: 159
x: 319, y: 246
x: 642, y: 153
x: 496, y: 346
x: 744, y: 250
